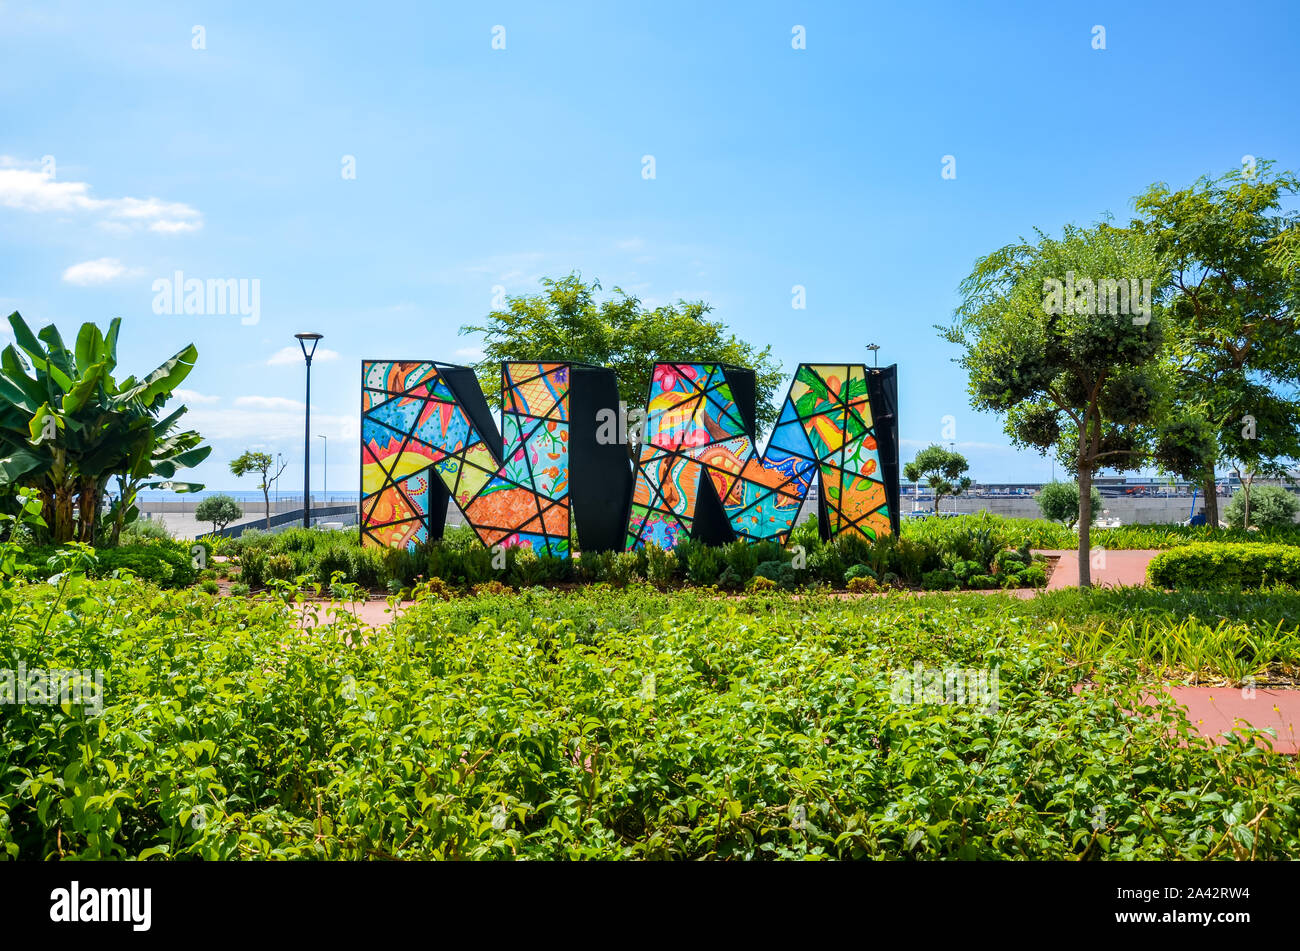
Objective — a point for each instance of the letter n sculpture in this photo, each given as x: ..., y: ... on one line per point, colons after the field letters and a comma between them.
x: 427, y: 436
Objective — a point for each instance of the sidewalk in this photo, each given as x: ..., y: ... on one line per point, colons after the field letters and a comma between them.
x: 1215, y: 710
x: 1116, y: 567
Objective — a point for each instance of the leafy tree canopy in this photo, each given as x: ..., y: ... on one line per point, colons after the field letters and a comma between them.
x: 943, y: 470
x: 1231, y: 321
x: 566, y: 322
x: 1271, y: 506
x: 1050, y: 344
x: 220, y: 510
x: 1059, y: 502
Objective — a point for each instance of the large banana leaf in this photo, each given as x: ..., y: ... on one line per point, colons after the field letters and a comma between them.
x: 19, y: 464
x: 166, y: 378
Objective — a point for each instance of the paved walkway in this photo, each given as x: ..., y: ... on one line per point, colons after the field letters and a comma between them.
x: 1214, y: 711
x: 1109, y: 568
x: 373, y: 613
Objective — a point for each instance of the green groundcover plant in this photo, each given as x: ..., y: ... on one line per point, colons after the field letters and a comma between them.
x: 627, y: 723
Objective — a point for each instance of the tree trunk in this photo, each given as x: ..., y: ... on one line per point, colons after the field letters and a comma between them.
x: 937, y: 497
x: 1085, y: 511
x: 62, y: 525
x: 88, y: 506
x: 1211, y: 509
x: 1245, y: 489
x: 266, y: 496
x: 48, y: 509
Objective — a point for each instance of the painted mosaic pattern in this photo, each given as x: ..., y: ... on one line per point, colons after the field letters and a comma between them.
x: 694, y: 432
x: 413, y: 431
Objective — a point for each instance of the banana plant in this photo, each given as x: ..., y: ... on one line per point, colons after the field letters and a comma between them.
x: 67, y: 425
x: 153, y: 464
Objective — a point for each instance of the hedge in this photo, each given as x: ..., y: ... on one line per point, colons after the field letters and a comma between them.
x: 1212, y: 565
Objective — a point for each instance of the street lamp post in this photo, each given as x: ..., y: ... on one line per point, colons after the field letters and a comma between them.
x: 303, y: 340
x: 875, y: 349
x: 325, y: 469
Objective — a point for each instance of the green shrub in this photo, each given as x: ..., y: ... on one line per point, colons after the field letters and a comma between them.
x: 525, y: 569
x: 857, y: 571
x: 168, y: 565
x: 1271, y: 506
x: 777, y: 571
x: 1059, y: 502
x: 825, y: 564
x: 853, y: 548
x: 704, y: 565
x: 279, y: 567
x: 239, y: 589
x: 939, y: 580
x: 624, y: 567
x: 913, y: 558
x: 1207, y: 565
x: 210, y: 586
x: 741, y: 558
x: 145, y: 530
x: 661, y: 566
x: 1035, y: 576
x: 980, y: 582
x: 251, y: 538
x: 1010, y: 562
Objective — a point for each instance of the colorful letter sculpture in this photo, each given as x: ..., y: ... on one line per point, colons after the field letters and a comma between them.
x: 700, y: 422
x: 550, y: 477
x: 427, y: 435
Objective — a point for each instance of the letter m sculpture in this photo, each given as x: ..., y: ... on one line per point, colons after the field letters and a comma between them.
x: 700, y: 475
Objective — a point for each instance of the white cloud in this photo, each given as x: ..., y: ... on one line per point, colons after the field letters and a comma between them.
x: 268, y: 427
x: 193, y: 396
x: 293, y: 355
x: 98, y: 271
x: 269, y: 402
x: 990, y: 446
x: 175, y: 227
x: 26, y: 187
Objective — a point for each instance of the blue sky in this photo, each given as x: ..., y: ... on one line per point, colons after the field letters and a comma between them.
x: 479, y: 167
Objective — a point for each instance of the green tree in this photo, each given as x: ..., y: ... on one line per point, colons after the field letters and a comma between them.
x: 220, y: 510
x: 1045, y: 348
x: 944, y: 471
x: 261, y: 463
x: 565, y: 322
x: 152, y: 463
x: 67, y: 425
x: 1232, y: 327
x: 1269, y: 506
x: 1059, y: 501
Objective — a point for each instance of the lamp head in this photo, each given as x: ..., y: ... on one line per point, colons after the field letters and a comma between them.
x: 304, y: 339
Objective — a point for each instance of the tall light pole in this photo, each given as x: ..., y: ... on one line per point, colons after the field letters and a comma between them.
x: 303, y: 340
x: 875, y: 349
x: 325, y: 469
